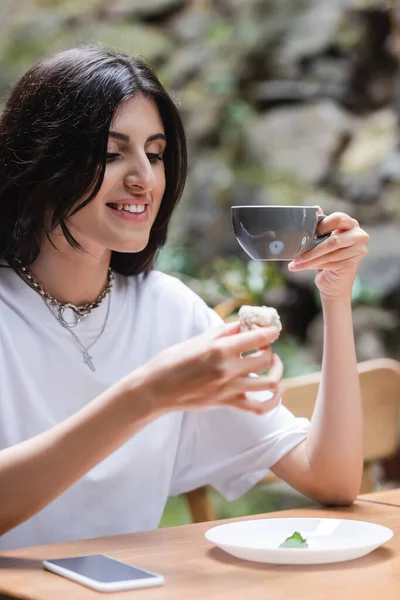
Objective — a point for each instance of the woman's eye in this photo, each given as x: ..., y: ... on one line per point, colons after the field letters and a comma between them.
x: 112, y: 156
x: 154, y: 157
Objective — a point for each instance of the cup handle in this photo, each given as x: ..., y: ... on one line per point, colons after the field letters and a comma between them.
x: 318, y: 239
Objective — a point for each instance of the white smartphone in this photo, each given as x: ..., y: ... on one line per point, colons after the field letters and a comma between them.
x: 102, y: 573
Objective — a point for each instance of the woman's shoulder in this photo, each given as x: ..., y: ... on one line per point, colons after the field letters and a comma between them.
x: 169, y: 296
x: 167, y: 287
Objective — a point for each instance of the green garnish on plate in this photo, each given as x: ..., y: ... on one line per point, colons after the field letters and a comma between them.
x: 294, y: 541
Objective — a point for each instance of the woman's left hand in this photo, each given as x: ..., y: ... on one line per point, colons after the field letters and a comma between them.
x: 336, y: 259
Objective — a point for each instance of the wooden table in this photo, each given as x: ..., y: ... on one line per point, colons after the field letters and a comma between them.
x: 390, y: 497
x: 194, y: 569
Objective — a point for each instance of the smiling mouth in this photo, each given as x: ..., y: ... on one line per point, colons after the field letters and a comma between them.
x: 134, y: 213
x: 136, y: 209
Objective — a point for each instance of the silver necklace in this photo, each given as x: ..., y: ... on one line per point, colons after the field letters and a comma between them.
x: 87, y: 359
x: 78, y: 312
x: 58, y: 309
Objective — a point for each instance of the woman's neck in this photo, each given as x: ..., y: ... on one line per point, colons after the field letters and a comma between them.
x: 69, y: 274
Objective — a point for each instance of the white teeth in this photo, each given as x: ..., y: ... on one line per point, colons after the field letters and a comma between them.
x: 132, y: 208
x: 139, y: 208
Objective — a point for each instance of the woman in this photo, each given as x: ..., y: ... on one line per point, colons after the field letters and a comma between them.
x: 108, y: 367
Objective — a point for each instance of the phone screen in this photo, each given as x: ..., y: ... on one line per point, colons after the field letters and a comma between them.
x: 102, y: 568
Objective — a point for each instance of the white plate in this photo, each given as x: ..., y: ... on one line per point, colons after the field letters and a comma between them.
x: 329, y: 540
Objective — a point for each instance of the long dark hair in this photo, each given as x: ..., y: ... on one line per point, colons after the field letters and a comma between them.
x: 53, y: 146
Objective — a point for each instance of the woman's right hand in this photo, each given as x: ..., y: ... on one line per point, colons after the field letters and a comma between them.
x: 209, y: 371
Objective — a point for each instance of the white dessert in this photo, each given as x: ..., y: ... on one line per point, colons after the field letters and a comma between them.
x: 252, y: 317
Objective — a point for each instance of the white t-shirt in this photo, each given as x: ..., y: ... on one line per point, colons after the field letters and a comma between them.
x: 43, y: 380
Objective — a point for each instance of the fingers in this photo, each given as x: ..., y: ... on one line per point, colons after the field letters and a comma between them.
x: 263, y: 382
x: 261, y: 408
x: 337, y: 241
x: 336, y: 221
x: 226, y: 329
x: 235, y: 345
x: 254, y: 363
x: 255, y: 406
x: 353, y: 252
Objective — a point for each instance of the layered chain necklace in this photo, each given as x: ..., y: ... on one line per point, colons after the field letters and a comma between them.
x: 61, y: 311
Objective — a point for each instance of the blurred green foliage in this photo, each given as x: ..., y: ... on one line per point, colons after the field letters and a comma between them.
x: 260, y: 499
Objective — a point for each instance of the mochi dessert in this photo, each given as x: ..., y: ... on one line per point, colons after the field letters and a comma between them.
x: 258, y: 316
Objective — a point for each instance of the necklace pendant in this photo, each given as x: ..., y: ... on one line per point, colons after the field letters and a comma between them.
x: 87, y: 359
x: 72, y: 311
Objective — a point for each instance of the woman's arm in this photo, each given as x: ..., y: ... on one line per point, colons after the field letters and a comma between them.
x: 203, y: 372
x: 328, y: 464
x: 36, y: 471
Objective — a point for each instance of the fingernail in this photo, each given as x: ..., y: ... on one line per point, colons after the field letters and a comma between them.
x: 291, y: 266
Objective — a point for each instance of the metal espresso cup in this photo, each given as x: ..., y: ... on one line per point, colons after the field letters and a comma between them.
x: 276, y: 232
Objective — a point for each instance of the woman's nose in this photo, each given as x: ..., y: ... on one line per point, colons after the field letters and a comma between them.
x: 141, y: 175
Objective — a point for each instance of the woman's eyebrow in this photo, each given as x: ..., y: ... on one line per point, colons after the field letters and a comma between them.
x: 125, y: 138
x: 157, y: 136
x: 120, y: 136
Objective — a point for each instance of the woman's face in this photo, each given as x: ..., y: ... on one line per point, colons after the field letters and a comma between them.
x: 121, y: 215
